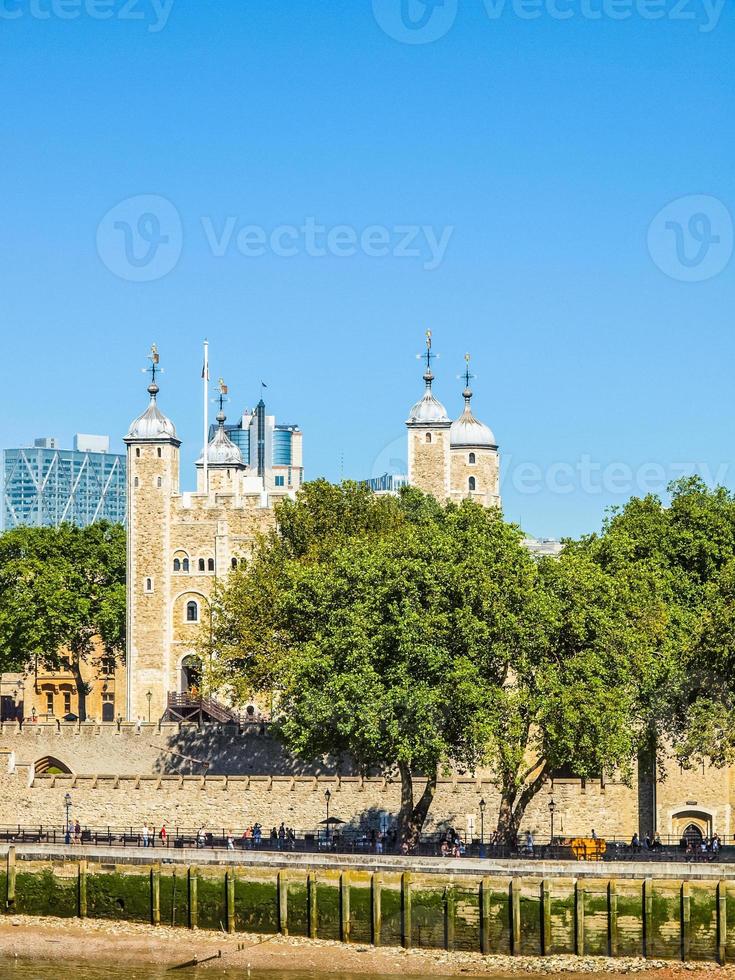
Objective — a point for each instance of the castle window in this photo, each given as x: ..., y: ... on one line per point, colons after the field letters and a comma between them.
x: 177, y: 565
x: 159, y: 482
x: 472, y: 483
x: 192, y: 612
x: 472, y: 459
x: 107, y: 666
x: 233, y: 563
x: 201, y: 565
x: 49, y: 702
x: 149, y: 584
x: 428, y: 437
x: 136, y: 482
x: 67, y: 702
x: 185, y: 565
x: 137, y: 451
x: 159, y: 452
x: 210, y: 564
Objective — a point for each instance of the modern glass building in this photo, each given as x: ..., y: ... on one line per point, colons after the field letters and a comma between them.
x: 273, y: 450
x: 46, y: 486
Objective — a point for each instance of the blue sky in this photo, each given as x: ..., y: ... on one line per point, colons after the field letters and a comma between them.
x: 524, y: 161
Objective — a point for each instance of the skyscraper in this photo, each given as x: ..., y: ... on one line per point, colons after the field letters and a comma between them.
x: 46, y: 486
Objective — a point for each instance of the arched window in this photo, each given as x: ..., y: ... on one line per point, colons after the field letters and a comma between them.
x: 185, y: 565
x: 149, y: 585
x: 233, y: 562
x: 177, y: 565
x: 137, y: 451
x: 159, y: 482
x: 472, y: 483
x: 428, y: 437
x: 192, y: 611
x: 472, y: 459
x: 210, y: 564
x: 201, y: 565
x: 136, y: 482
x: 159, y: 452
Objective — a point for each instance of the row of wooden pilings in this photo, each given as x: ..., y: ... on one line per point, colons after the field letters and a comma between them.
x: 487, y: 887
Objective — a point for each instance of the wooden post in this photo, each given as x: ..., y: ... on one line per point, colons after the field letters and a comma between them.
x: 546, y: 917
x: 406, y: 910
x: 485, y: 916
x: 686, y: 920
x: 376, y: 911
x: 82, y: 890
x: 579, y: 917
x: 156, y: 895
x: 344, y: 906
x: 515, y: 916
x: 230, y: 898
x: 647, y: 915
x: 313, y: 908
x: 722, y: 922
x: 612, y: 917
x: 193, y: 904
x: 450, y: 911
x: 282, y: 903
x: 10, y: 883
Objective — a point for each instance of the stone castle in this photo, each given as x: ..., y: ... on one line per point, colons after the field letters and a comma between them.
x: 137, y: 765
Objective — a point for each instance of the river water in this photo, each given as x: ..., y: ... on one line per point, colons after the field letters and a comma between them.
x: 41, y: 970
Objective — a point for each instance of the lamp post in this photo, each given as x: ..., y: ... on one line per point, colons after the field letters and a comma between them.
x: 327, y: 798
x: 67, y: 804
x: 552, y: 808
x: 483, y: 804
x: 149, y: 695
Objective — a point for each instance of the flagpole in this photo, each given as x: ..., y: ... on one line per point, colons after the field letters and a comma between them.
x: 205, y: 385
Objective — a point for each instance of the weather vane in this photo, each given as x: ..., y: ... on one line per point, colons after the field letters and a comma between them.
x: 429, y: 355
x: 467, y: 375
x: 154, y: 368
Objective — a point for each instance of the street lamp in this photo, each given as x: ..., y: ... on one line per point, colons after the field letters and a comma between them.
x: 483, y: 804
x: 552, y: 808
x: 149, y: 695
x: 327, y: 798
x: 67, y: 804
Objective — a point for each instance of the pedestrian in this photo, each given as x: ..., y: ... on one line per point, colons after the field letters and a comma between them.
x: 594, y: 835
x: 138, y: 725
x: 163, y: 834
x: 200, y: 837
x: 529, y: 843
x: 146, y: 834
x: 257, y: 834
x: 230, y: 842
x: 77, y: 832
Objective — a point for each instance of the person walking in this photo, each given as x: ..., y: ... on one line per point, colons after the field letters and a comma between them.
x: 163, y: 834
x: 146, y: 835
x: 230, y: 842
x: 77, y: 832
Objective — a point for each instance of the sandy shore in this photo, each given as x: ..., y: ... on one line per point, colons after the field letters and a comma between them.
x: 126, y: 943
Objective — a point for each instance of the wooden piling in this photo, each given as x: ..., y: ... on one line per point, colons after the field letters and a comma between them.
x: 313, y: 906
x: 647, y: 916
x: 193, y: 903
x: 406, y: 910
x: 579, y: 902
x: 722, y: 922
x: 283, y: 903
x: 10, y: 881
x: 344, y: 906
x: 485, y: 886
x: 82, y: 889
x: 612, y: 917
x: 686, y: 920
x: 376, y: 910
x: 515, y: 916
x: 230, y: 899
x: 545, y: 917
x: 156, y: 895
x: 450, y: 915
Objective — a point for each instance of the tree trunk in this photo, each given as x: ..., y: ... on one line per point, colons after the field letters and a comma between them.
x: 76, y: 668
x: 514, y: 802
x: 411, y: 819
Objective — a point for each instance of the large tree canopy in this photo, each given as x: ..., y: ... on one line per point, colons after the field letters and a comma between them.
x: 62, y: 597
x: 413, y: 636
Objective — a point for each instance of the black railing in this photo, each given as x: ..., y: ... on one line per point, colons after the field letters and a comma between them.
x: 347, y: 841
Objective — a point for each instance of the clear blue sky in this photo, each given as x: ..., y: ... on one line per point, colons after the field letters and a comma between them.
x: 546, y: 145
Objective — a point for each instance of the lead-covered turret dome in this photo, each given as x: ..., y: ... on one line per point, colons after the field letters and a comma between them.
x: 467, y: 432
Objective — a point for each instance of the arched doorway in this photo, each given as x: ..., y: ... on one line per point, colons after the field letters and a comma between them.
x: 191, y: 675
x: 692, y: 835
x: 48, y: 764
x: 692, y: 824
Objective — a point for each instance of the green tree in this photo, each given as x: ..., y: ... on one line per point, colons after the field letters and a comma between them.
x: 62, y: 598
x: 413, y: 636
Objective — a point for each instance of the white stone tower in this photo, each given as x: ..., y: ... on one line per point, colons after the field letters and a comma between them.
x: 474, y: 457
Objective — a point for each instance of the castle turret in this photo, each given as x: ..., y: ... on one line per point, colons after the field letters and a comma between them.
x: 428, y: 439
x: 152, y: 478
x: 224, y: 460
x: 474, y: 458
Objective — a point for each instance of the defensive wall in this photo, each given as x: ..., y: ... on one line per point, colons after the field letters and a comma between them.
x: 218, y: 775
x: 498, y: 911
